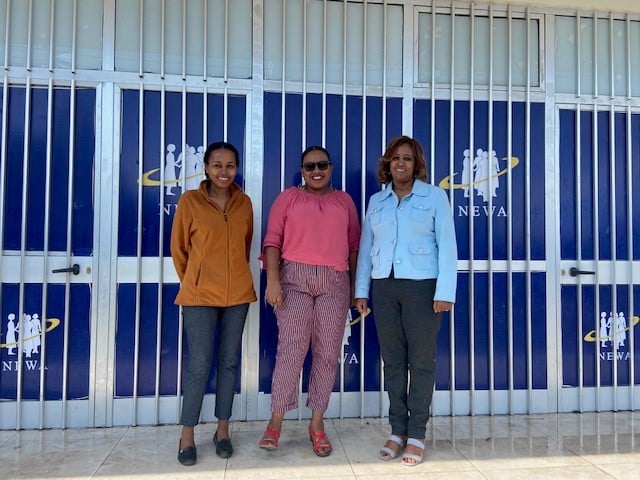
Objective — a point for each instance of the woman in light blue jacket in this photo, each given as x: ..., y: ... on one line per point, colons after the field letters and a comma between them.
x: 408, y: 255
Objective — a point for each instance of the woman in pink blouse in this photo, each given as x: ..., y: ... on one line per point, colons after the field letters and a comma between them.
x: 310, y: 251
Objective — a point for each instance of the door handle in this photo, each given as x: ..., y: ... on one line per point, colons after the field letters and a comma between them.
x: 574, y: 272
x: 75, y: 269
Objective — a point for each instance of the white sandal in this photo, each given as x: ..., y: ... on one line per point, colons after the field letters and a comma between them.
x: 412, y: 456
x: 391, y: 454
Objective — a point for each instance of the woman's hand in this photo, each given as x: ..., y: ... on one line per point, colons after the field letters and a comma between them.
x: 361, y: 305
x: 273, y: 294
x: 441, y: 306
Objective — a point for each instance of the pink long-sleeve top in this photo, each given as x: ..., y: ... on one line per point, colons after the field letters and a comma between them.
x: 314, y: 229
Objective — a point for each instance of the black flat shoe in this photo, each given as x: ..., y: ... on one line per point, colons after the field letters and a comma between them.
x: 187, y: 456
x: 224, y: 448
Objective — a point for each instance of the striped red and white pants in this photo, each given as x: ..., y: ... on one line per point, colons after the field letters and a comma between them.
x: 316, y: 300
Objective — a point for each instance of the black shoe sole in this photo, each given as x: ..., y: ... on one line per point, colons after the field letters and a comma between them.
x: 224, y: 448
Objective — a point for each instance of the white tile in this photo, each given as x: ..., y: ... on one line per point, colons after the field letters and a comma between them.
x: 585, y: 472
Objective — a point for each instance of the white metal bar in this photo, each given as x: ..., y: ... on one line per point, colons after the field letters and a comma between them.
x: 4, y: 158
x: 205, y: 32
x: 67, y: 287
x: 138, y: 295
x: 52, y: 27
x: 433, y: 89
x: 324, y: 90
x: 490, y: 220
x: 471, y: 280
x: 163, y: 38
x: 23, y: 247
x: 7, y: 45
x: 596, y: 221
x: 384, y: 73
x: 29, y: 35
x: 183, y: 179
x: 74, y: 37
x: 226, y: 44
x: 283, y: 98
x: 527, y: 210
x: 363, y: 163
x: 184, y: 41
x: 45, y: 256
x: 141, y: 39
x: 345, y: 16
x: 578, y: 181
x: 510, y: 354
x: 303, y: 124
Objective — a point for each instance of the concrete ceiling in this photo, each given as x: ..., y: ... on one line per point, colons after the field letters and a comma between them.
x: 632, y: 6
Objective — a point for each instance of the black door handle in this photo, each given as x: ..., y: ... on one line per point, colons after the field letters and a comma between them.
x: 574, y: 272
x: 75, y: 269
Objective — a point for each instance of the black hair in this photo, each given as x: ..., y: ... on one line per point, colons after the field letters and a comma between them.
x: 314, y: 148
x: 220, y: 146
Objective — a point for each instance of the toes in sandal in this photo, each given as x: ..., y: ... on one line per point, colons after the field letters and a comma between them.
x: 321, y: 444
x: 417, y: 459
x: 387, y: 453
x: 269, y: 440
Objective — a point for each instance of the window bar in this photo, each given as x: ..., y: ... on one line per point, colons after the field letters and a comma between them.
x: 52, y: 29
x: 23, y: 247
x: 596, y: 220
x: 527, y: 209
x: 363, y: 168
x: 324, y: 79
x: 612, y: 218
x: 452, y: 102
x: 161, y: 200
x: 344, y: 89
x: 163, y: 41
x: 3, y: 168
x: 578, y: 181
x: 471, y: 279
x: 74, y: 38
x: 67, y: 287
x: 6, y: 35
x: 205, y: 30
x: 382, y: 395
x: 490, y: 180
x: 510, y: 369
x: 29, y: 36
x: 283, y: 104
x: 184, y: 41
x: 139, y: 223
x: 432, y: 102
x: 226, y: 70
x: 45, y: 279
x: 183, y: 180
x: 630, y: 226
x: 141, y: 40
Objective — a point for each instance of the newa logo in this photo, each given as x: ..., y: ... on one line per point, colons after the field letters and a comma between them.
x: 23, y: 339
x: 612, y: 334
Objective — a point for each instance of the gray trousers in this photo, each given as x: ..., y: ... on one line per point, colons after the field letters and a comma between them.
x: 200, y: 324
x: 407, y: 330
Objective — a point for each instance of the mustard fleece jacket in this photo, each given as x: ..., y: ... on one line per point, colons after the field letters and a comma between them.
x: 210, y: 249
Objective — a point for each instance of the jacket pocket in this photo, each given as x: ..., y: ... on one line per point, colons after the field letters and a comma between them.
x: 375, y: 258
x: 422, y: 257
x: 420, y: 213
x: 375, y: 215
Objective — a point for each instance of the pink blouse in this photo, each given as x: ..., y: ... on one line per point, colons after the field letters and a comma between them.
x: 314, y: 229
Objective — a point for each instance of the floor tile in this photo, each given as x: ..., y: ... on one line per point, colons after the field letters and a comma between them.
x: 584, y: 472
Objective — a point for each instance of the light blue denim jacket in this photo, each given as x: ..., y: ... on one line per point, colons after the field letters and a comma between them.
x: 416, y: 236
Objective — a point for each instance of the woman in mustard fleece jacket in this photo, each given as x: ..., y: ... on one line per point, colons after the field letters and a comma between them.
x: 210, y: 243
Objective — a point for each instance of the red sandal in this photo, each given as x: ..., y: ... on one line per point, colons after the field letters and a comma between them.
x: 269, y: 440
x: 321, y: 444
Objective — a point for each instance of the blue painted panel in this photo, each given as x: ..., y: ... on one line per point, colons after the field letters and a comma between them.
x: 168, y: 156
x: 37, y: 334
x: 81, y: 242
x: 600, y: 330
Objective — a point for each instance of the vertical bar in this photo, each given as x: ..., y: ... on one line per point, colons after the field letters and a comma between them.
x: 161, y: 200
x: 23, y: 247
x: 136, y: 334
x: 432, y: 103
x: 304, y: 76
x: 578, y: 181
x: 527, y: 210
x: 471, y: 279
x: 3, y: 164
x: 345, y: 15
x: 630, y: 225
x: 67, y: 287
x: 324, y: 79
x: 205, y: 31
x: 6, y: 35
x: 29, y: 36
x: 384, y: 73
x: 596, y: 221
x: 141, y: 39
x: 510, y: 366
x: 74, y: 38
x: 225, y: 113
x: 283, y: 99
x: 612, y: 217
x: 46, y: 227
x: 184, y: 41
x: 452, y: 103
x: 52, y: 27
x: 363, y: 179
x: 163, y: 27
x: 490, y: 180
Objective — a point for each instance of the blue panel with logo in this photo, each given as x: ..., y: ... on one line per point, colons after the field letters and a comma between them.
x: 159, y: 199
x: 605, y: 335
x: 82, y: 161
x: 43, y: 344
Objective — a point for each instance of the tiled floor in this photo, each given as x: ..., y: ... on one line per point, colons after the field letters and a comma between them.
x: 590, y: 445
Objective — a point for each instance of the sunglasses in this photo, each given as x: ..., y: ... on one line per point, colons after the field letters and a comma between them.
x: 310, y: 167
